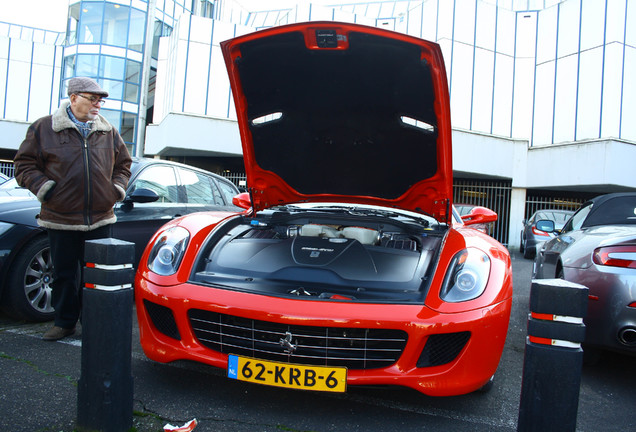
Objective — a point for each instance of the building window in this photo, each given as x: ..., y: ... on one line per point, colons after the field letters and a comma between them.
x: 161, y: 29
x: 114, y: 88
x: 115, y: 28
x: 133, y: 71
x: 137, y: 30
x: 86, y: 65
x: 127, y: 129
x: 90, y: 23
x: 73, y: 20
x: 131, y: 93
x: 112, y: 67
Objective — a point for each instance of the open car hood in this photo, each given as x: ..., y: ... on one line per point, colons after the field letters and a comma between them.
x: 341, y: 112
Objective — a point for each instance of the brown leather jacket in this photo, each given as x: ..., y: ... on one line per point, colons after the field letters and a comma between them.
x: 77, y: 180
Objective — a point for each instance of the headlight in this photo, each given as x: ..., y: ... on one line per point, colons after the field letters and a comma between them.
x: 167, y: 252
x: 467, y: 276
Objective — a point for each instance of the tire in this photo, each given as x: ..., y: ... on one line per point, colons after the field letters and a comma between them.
x: 528, y: 253
x: 27, y: 293
x: 521, y: 245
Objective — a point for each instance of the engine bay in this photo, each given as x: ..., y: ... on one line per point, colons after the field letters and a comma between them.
x: 322, y: 255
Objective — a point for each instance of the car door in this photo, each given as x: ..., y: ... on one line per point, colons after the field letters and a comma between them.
x: 551, y: 251
x: 138, y: 221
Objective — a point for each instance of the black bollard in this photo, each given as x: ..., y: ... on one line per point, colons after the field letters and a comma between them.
x: 553, y: 356
x: 105, y: 388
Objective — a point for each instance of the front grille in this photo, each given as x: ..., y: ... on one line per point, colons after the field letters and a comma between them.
x: 355, y: 348
x: 442, y: 348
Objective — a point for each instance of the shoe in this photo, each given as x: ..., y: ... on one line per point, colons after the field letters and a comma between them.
x: 57, y: 333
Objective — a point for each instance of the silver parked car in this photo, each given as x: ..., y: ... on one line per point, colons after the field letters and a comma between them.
x: 531, y: 236
x: 597, y: 248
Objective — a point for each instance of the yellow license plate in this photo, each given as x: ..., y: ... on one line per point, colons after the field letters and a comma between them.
x: 296, y: 376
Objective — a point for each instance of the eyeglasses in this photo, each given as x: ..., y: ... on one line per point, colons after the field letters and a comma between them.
x: 95, y: 100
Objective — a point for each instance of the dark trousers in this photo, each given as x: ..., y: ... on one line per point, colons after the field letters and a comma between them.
x: 67, y: 255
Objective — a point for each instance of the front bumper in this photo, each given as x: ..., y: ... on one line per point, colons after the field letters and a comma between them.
x: 466, y: 346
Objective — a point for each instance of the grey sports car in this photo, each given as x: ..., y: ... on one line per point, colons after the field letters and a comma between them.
x: 531, y: 236
x: 597, y: 248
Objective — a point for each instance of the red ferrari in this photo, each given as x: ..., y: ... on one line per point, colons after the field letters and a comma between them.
x: 348, y: 265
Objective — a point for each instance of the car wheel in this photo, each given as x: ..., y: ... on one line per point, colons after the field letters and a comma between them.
x: 27, y: 294
x: 521, y: 245
x: 528, y: 253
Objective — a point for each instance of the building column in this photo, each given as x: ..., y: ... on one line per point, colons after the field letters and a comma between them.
x: 517, y: 213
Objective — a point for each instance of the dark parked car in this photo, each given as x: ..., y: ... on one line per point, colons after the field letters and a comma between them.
x: 158, y: 192
x: 597, y: 248
x: 531, y: 236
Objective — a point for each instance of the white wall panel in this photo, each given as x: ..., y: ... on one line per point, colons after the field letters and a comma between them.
x: 17, y: 90
x: 628, y: 125
x: 543, y: 103
x: 40, y: 91
x: 482, y: 91
x: 565, y: 99
x: 523, y: 98
x: 464, y: 30
x: 196, y: 80
x: 546, y: 35
x: 461, y: 85
x: 219, y: 94
x: 506, y: 31
x: 486, y: 22
x: 589, y: 94
x: 592, y: 24
x: 569, y: 18
x: 612, y: 83
x: 615, y: 26
x: 502, y: 100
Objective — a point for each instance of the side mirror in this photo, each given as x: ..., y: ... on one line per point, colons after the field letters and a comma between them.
x: 479, y: 215
x: 142, y: 195
x: 242, y: 200
x: 545, y: 225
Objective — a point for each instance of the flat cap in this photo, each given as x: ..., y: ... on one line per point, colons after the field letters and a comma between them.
x: 85, y: 85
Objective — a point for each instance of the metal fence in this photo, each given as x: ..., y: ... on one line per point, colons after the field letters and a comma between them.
x: 238, y: 179
x: 6, y: 167
x: 492, y: 194
x: 555, y: 200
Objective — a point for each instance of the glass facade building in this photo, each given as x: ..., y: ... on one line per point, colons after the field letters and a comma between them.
x: 106, y: 40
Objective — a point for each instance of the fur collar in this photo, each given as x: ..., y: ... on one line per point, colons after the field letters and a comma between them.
x: 62, y: 121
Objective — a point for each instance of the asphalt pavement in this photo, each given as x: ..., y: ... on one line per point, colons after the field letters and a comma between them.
x: 39, y: 385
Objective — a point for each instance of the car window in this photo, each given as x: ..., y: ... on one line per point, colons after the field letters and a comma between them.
x: 560, y: 217
x: 577, y: 220
x: 228, y: 191
x: 199, y: 188
x: 162, y: 180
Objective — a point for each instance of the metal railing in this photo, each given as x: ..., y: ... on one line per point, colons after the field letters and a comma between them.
x: 494, y: 195
x: 535, y: 203
x: 6, y: 167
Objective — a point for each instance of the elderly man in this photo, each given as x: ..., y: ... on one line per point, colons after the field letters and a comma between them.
x: 78, y: 166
